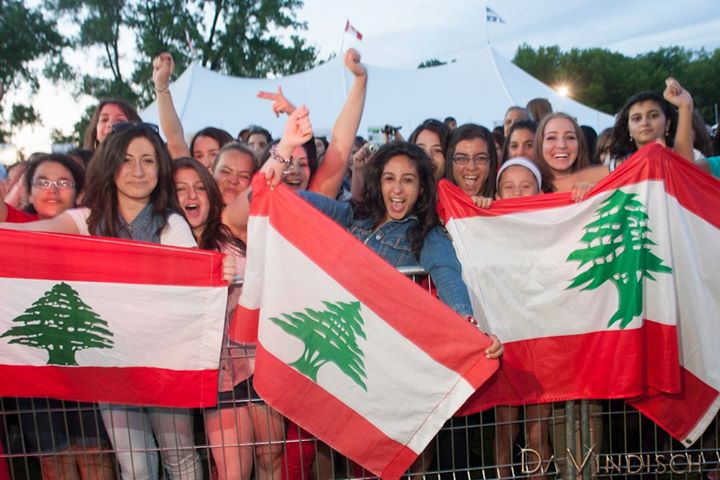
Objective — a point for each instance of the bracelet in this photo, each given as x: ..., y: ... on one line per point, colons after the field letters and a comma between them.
x: 276, y: 156
x: 162, y: 90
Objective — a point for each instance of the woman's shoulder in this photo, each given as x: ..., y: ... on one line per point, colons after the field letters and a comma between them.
x: 80, y: 217
x: 177, y: 232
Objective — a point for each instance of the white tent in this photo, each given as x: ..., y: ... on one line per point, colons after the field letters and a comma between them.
x: 478, y: 88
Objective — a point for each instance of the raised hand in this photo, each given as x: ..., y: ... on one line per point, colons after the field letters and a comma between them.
x: 352, y: 62
x: 163, y: 67
x: 280, y: 103
x: 298, y: 130
x: 676, y: 94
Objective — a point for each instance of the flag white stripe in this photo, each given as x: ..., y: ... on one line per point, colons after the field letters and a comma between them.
x: 161, y: 326
x: 526, y: 277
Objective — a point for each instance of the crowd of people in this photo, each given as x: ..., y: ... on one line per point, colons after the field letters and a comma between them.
x: 127, y: 182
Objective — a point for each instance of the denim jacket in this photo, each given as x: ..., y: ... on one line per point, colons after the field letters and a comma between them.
x: 390, y: 241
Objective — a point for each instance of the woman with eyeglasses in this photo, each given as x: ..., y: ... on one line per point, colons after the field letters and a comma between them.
x: 472, y: 161
x: 50, y: 426
x: 130, y: 194
x: 53, y: 182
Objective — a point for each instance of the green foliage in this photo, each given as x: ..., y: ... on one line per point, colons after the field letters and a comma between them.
x: 26, y: 36
x: 61, y: 323
x: 329, y: 336
x: 604, y: 80
x: 618, y: 251
x: 241, y: 37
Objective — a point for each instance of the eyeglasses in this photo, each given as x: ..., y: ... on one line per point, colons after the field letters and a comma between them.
x: 463, y: 160
x: 44, y: 183
x: 123, y: 126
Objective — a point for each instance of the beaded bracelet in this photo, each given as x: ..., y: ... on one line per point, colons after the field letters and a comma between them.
x: 276, y: 156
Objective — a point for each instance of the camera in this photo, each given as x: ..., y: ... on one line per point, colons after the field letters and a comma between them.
x: 390, y: 130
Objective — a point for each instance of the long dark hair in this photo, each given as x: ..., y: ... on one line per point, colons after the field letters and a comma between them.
x: 215, y: 234
x: 621, y: 145
x: 101, y: 194
x: 90, y: 136
x: 373, y: 206
x: 471, y: 131
x: 432, y: 125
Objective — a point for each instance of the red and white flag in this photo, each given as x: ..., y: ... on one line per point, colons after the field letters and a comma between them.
x: 352, y: 30
x: 617, y: 296
x: 348, y: 348
x: 99, y: 319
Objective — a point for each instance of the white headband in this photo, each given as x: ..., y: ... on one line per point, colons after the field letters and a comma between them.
x: 522, y: 161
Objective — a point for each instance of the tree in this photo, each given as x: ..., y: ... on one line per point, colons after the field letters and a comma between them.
x: 618, y: 248
x: 232, y: 37
x: 26, y: 36
x: 61, y: 323
x: 329, y: 336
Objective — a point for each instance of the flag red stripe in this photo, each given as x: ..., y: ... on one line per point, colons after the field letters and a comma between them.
x: 686, y: 182
x: 435, y: 328
x: 348, y: 432
x: 54, y: 256
x: 678, y: 414
x: 606, y: 364
x: 133, y: 386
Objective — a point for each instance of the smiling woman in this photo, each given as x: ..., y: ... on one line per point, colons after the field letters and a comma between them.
x: 130, y: 194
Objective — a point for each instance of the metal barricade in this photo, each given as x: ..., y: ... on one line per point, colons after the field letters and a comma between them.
x: 570, y: 440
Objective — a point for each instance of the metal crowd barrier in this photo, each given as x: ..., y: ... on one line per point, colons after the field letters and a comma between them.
x: 568, y: 440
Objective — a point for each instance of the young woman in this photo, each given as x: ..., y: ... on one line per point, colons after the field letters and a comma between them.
x: 53, y: 182
x: 50, y: 426
x: 206, y: 145
x: 232, y: 170
x: 432, y: 136
x: 241, y: 418
x: 520, y: 141
x: 399, y: 197
x: 645, y: 118
x: 399, y: 201
x: 108, y: 112
x: 130, y: 194
x: 473, y: 160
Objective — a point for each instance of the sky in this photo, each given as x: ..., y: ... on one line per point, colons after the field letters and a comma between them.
x: 403, y: 33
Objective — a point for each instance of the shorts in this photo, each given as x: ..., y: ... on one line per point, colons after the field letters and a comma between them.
x: 243, y: 394
x: 51, y: 425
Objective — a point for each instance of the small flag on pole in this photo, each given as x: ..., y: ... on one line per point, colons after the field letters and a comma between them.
x: 352, y: 30
x: 492, y: 16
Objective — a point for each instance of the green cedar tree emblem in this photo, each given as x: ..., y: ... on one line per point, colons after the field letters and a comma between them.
x: 61, y: 323
x: 331, y: 336
x: 618, y: 248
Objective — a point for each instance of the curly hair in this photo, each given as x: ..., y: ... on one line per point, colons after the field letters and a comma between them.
x: 372, y: 204
x: 215, y: 235
x: 101, y: 194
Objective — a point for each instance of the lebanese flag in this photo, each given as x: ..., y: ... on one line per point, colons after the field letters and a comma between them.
x: 107, y: 320
x: 617, y: 296
x: 348, y: 348
x: 352, y: 30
